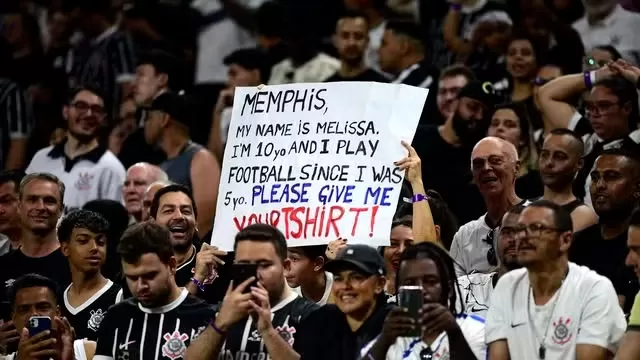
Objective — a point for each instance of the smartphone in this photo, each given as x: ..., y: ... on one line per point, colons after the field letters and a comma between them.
x: 38, y: 324
x: 242, y: 272
x: 410, y: 298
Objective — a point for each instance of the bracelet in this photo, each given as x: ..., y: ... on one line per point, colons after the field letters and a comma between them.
x: 419, y: 197
x: 198, y: 283
x: 217, y: 329
x: 456, y: 7
x: 589, y: 79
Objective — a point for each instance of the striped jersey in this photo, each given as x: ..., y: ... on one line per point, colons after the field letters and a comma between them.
x: 130, y: 331
x: 243, y: 338
x: 16, y: 117
x: 86, y: 318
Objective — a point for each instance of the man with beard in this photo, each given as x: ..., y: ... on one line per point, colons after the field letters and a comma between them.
x: 602, y: 247
x: 560, y: 160
x: 476, y: 289
x: 10, y: 228
x: 445, y: 150
x: 351, y: 39
x: 494, y: 163
x: 162, y: 319
x: 139, y: 177
x: 88, y: 169
x: 452, y: 80
x: 174, y: 208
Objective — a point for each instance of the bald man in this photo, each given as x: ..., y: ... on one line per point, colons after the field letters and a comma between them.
x: 559, y: 162
x: 139, y: 177
x: 494, y: 164
x: 147, y: 197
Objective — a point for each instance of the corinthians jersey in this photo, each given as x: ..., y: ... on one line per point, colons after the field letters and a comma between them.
x: 86, y: 318
x: 131, y: 331
x: 244, y: 340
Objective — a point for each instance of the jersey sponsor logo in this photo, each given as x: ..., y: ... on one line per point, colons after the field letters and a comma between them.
x: 95, y: 318
x: 243, y: 355
x: 196, y: 332
x: 254, y: 336
x: 125, y: 346
x: 561, y: 332
x: 174, y: 346
x: 286, y: 332
x: 84, y: 181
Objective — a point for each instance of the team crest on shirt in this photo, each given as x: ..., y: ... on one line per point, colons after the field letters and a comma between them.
x: 95, y: 318
x: 174, y: 346
x: 561, y: 332
x: 286, y: 332
x: 254, y: 336
x: 84, y: 181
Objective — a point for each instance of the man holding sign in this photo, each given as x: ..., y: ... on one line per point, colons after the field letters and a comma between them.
x: 316, y: 161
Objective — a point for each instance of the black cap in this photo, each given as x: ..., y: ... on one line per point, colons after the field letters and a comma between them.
x: 481, y: 91
x: 363, y: 257
x: 172, y: 104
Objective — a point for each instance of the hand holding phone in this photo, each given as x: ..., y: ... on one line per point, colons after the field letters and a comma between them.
x: 38, y: 324
x: 411, y: 299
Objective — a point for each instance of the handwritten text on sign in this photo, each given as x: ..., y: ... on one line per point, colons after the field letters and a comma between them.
x: 316, y: 161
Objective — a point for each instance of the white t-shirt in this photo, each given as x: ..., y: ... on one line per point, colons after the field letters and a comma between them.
x: 476, y: 290
x: 469, y: 250
x: 409, y: 348
x: 327, y: 289
x: 587, y: 312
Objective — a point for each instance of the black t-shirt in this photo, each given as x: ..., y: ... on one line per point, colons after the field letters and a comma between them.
x: 243, y: 338
x: 15, y: 264
x: 607, y: 258
x: 367, y: 75
x: 86, y: 318
x: 447, y: 169
x: 325, y: 334
x: 133, y: 332
x: 530, y: 185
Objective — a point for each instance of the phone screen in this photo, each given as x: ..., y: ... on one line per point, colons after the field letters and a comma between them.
x: 242, y: 272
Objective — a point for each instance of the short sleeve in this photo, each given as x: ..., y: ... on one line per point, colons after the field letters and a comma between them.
x: 603, y: 323
x: 458, y: 254
x: 112, y: 182
x: 497, y: 322
x: 476, y: 338
x: 105, y: 344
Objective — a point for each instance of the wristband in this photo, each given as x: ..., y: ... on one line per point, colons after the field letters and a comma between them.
x: 217, y: 329
x: 419, y: 197
x: 456, y: 7
x: 589, y: 79
x: 198, y: 283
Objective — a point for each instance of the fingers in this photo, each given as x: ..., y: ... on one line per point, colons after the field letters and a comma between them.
x: 244, y: 284
x: 410, y: 149
x: 261, y: 295
x: 44, y: 354
x: 229, y: 289
x: 6, y: 325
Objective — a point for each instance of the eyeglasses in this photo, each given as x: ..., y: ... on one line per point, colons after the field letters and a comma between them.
x: 493, y: 160
x: 491, y: 254
x: 599, y: 107
x: 426, y: 353
x: 534, y: 230
x: 83, y: 107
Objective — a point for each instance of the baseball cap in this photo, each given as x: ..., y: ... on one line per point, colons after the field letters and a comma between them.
x: 480, y: 91
x: 363, y: 257
x: 172, y: 104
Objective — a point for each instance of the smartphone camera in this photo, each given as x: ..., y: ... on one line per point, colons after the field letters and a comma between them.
x: 410, y: 298
x: 33, y: 323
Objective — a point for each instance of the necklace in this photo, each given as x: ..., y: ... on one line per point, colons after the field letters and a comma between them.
x: 542, y: 350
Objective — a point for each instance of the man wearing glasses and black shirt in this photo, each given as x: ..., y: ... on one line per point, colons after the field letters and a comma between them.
x: 88, y: 170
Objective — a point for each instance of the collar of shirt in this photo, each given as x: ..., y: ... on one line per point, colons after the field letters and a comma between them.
x: 93, y: 155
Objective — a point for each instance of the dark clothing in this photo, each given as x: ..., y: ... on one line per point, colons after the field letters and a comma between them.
x: 135, y: 149
x: 131, y: 331
x: 367, y: 75
x: 530, y: 185
x: 15, y: 264
x: 16, y: 120
x: 423, y: 75
x: 86, y: 318
x: 607, y: 258
x: 243, y: 339
x: 325, y: 334
x: 179, y: 168
x: 446, y: 169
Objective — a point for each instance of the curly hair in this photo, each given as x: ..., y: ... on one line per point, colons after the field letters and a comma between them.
x: 82, y: 219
